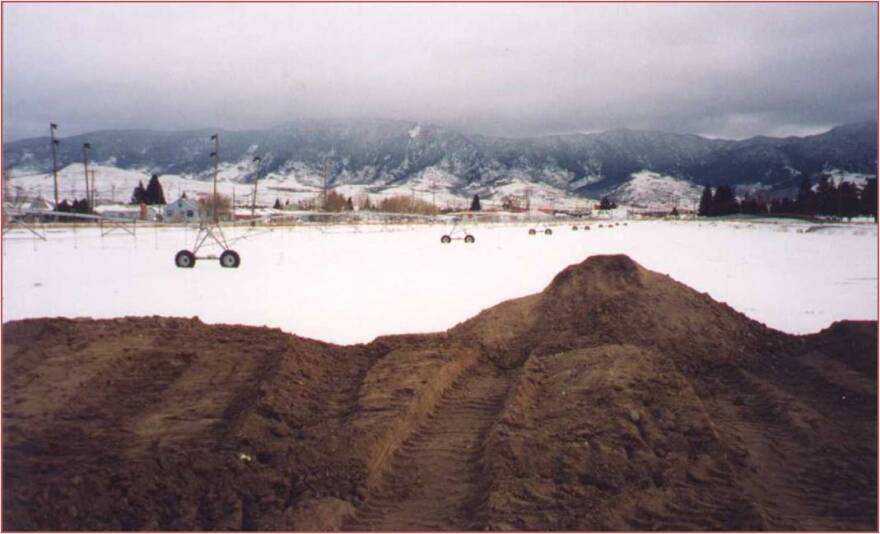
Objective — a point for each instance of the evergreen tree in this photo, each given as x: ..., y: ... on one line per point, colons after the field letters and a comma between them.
x: 475, y: 203
x: 674, y: 211
x: 868, y: 199
x: 706, y: 207
x: 63, y: 206
x: 606, y: 204
x: 847, y: 200
x: 724, y: 202
x: 79, y: 206
x: 154, y: 194
x: 753, y: 205
x: 806, y: 198
x: 277, y: 205
x: 826, y: 197
x: 139, y: 195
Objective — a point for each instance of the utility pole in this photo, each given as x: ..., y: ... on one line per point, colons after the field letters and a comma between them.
x: 326, y: 179
x: 94, y: 194
x: 256, y: 181
x: 434, y: 193
x: 216, y: 155
x: 86, y: 148
x: 52, y: 128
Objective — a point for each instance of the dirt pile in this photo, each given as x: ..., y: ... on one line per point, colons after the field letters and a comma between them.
x: 615, y: 399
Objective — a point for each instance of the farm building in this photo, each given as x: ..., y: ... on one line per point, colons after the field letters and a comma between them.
x: 182, y: 210
x: 120, y: 211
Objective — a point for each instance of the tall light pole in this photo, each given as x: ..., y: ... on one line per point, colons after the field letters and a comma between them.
x: 256, y: 181
x: 52, y: 128
x: 528, y: 200
x: 86, y: 148
x: 92, y: 173
x: 326, y: 178
x: 216, y: 155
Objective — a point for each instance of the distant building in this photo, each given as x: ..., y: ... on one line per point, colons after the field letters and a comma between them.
x: 118, y: 211
x: 182, y: 210
x: 40, y: 203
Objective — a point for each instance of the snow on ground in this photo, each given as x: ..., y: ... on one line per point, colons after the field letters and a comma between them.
x: 346, y: 285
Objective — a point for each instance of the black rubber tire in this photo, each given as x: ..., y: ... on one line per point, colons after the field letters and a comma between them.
x: 446, y: 239
x: 574, y: 228
x: 185, y: 259
x: 230, y: 259
x: 600, y: 226
x: 532, y: 231
x: 548, y: 231
x: 586, y: 227
x: 469, y: 239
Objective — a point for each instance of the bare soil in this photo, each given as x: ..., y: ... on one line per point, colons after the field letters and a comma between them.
x: 616, y: 399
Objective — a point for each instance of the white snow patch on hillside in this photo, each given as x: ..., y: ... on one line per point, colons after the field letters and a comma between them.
x: 432, y: 184
x: 650, y: 190
x: 857, y: 178
x: 540, y: 196
x: 586, y: 180
x: 750, y: 189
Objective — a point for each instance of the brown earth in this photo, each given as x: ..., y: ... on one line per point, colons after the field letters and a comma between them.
x: 616, y: 399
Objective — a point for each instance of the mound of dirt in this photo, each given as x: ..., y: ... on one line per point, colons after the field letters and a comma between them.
x: 616, y: 399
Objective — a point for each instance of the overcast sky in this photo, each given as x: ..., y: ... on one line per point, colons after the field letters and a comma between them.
x: 501, y: 69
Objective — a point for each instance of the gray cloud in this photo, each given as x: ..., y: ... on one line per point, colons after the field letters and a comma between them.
x: 503, y: 69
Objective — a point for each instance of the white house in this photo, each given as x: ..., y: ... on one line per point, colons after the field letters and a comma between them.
x: 182, y: 210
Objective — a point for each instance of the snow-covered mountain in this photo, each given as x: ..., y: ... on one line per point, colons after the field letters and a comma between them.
x: 385, y: 157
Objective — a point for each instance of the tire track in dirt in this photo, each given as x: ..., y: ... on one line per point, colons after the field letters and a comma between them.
x: 799, y: 475
x: 435, y: 480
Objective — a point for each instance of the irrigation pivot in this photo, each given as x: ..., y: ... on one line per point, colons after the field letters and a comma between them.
x: 458, y: 233
x: 210, y: 230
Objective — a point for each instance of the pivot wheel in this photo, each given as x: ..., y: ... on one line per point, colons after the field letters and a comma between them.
x: 469, y: 239
x: 185, y: 259
x: 446, y: 239
x: 574, y: 228
x: 230, y: 259
x: 586, y: 227
x: 532, y: 231
x: 548, y: 231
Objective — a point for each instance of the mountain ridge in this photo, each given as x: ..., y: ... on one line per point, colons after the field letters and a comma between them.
x: 385, y: 153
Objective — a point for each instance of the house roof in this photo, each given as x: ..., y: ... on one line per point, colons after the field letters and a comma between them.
x: 184, y: 203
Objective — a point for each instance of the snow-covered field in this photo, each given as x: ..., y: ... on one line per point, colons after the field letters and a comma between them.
x: 346, y: 285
